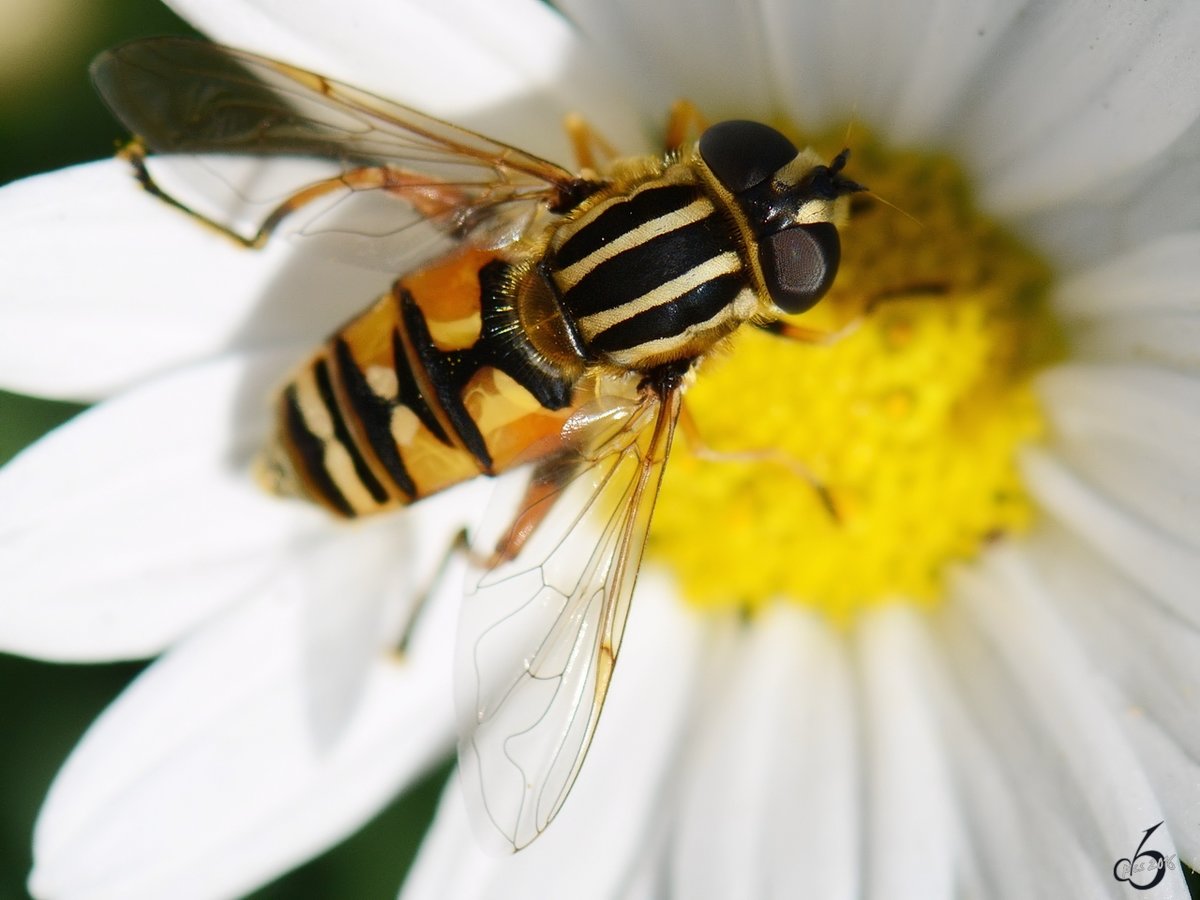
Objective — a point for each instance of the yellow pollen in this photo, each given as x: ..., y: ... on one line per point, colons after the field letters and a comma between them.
x: 910, y: 423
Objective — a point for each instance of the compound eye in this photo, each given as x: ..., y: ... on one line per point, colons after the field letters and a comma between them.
x: 742, y: 154
x: 799, y: 264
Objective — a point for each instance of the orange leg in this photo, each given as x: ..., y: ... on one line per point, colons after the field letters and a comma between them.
x: 701, y: 449
x: 685, y: 120
x: 430, y: 197
x: 587, y: 143
x: 805, y: 335
x: 545, y: 484
x: 592, y: 151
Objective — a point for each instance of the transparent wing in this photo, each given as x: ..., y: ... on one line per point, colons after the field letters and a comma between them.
x: 543, y: 618
x: 250, y: 142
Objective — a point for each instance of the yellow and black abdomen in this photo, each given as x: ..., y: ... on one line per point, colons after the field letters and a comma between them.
x: 436, y: 383
x: 649, y: 276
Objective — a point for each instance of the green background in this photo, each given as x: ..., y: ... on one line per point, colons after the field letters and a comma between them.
x: 50, y: 117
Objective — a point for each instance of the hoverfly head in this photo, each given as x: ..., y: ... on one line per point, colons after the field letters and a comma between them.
x: 791, y: 201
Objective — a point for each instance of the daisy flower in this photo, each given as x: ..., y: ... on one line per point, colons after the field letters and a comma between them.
x: 978, y: 679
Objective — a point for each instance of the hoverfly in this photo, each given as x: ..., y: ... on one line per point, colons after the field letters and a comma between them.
x: 544, y: 319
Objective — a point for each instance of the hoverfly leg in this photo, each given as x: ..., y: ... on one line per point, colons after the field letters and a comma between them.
x: 546, y: 482
x: 702, y: 450
x: 586, y: 142
x: 805, y: 335
x: 134, y: 152
x: 457, y: 545
x: 427, y: 195
x: 915, y: 292
x: 683, y: 122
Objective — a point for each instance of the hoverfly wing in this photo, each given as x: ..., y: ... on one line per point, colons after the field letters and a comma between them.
x: 249, y: 142
x: 544, y: 615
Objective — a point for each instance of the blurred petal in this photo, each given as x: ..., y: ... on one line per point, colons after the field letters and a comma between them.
x: 1171, y: 340
x: 1132, y: 432
x: 1155, y: 201
x: 362, y: 579
x: 994, y: 814
x: 909, y: 800
x: 1141, y: 306
x: 925, y: 59
x: 595, y: 842
x: 901, y: 68
x: 1166, y: 569
x: 671, y: 49
x: 1078, y: 97
x: 1160, y: 563
x: 1161, y: 276
x: 1175, y: 774
x: 1035, y: 697
x: 208, y: 776
x: 771, y: 796
x: 1151, y: 655
x: 105, y: 285
x: 451, y: 862
x: 510, y: 71
x: 139, y: 519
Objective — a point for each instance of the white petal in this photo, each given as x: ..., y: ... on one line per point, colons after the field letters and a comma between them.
x: 995, y: 820
x: 140, y: 518
x: 901, y: 68
x: 802, y: 44
x: 1156, y: 201
x: 592, y: 847
x: 908, y: 795
x: 1157, y: 277
x: 511, y: 71
x: 1150, y: 654
x: 1081, y: 95
x: 1152, y: 657
x: 650, y: 878
x: 1149, y: 557
x: 1141, y: 306
x: 770, y: 800
x: 451, y: 863
x: 926, y: 60
x: 1125, y: 402
x: 105, y: 285
x: 1176, y: 776
x: 1168, y: 339
x: 210, y: 775
x: 1036, y: 696
x: 1010, y: 782
x: 671, y: 50
x: 1132, y: 432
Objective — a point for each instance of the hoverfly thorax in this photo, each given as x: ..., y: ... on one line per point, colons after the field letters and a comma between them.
x: 675, y: 253
x: 789, y: 204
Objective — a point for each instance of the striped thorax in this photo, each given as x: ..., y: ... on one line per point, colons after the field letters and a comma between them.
x: 678, y: 252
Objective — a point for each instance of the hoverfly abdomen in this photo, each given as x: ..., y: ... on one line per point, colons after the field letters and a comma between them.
x: 434, y: 384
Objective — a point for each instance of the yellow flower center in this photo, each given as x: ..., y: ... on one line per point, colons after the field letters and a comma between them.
x: 910, y: 424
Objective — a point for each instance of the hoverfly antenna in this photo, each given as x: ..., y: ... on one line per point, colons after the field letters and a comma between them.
x: 890, y: 204
x: 850, y: 123
x: 841, y: 184
x: 829, y: 182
